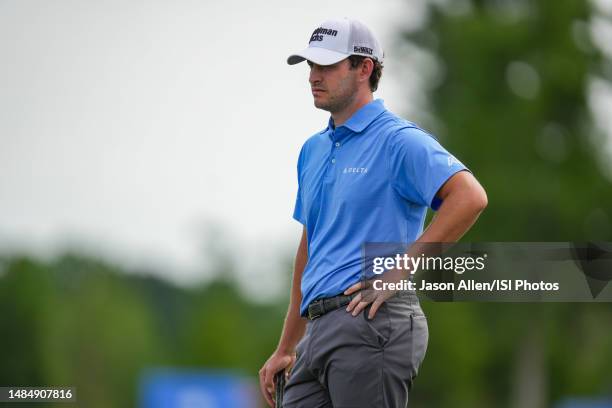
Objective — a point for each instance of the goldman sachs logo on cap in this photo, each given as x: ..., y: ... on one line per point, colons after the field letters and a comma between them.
x: 317, y: 35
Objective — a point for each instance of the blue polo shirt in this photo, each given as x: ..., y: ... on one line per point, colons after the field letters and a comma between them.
x: 368, y: 180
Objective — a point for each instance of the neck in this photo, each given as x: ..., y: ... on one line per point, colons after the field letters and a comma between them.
x: 357, y: 103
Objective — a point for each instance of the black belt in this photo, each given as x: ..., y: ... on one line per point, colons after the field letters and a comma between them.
x: 319, y: 307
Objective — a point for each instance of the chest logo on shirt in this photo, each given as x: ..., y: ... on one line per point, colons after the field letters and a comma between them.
x: 357, y: 170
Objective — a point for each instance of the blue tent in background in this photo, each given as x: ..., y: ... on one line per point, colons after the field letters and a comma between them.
x: 173, y: 388
x: 585, y: 403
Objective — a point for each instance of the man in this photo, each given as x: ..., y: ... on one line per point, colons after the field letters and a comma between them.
x: 368, y: 177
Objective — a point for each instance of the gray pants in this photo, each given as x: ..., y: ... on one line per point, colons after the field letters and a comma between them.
x: 352, y: 362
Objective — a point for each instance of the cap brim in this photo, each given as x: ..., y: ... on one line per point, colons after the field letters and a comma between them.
x: 318, y: 55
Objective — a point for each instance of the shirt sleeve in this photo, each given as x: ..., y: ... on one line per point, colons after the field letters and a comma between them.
x: 299, y: 211
x: 419, y: 166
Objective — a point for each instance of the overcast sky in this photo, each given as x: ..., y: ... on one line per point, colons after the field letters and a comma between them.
x: 127, y: 127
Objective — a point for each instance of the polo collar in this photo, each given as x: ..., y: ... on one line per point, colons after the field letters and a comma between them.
x: 363, y: 117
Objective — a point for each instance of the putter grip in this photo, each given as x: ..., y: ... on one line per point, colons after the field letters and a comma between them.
x: 279, y: 388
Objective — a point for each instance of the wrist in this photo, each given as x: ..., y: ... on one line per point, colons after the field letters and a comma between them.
x: 284, y: 350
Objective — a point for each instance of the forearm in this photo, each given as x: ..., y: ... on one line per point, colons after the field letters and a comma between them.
x: 463, y: 201
x: 458, y: 212
x: 293, y: 329
x: 295, y: 325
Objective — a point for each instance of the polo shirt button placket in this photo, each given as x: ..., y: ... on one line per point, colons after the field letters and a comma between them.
x: 333, y: 159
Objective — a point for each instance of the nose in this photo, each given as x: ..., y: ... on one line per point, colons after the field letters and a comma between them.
x: 315, y: 74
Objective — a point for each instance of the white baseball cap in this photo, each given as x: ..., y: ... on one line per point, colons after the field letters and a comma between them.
x: 336, y: 39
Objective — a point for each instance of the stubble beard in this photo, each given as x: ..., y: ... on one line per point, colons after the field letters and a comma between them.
x: 347, y: 91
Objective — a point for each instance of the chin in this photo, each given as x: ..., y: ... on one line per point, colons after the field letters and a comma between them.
x: 321, y: 105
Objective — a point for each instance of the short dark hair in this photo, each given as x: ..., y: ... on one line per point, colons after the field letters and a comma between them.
x: 355, y: 60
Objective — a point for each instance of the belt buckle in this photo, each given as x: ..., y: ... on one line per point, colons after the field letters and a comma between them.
x: 315, y: 310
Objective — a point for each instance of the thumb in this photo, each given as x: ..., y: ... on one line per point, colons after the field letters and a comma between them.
x: 290, y: 366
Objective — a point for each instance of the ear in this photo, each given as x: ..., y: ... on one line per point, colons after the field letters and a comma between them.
x: 367, y: 66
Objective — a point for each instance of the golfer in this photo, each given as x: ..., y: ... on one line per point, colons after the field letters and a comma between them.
x: 369, y: 176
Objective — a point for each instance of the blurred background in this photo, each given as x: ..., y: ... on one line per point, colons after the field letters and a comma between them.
x: 147, y: 182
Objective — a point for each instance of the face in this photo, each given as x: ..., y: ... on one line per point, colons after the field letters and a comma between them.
x: 334, y: 87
